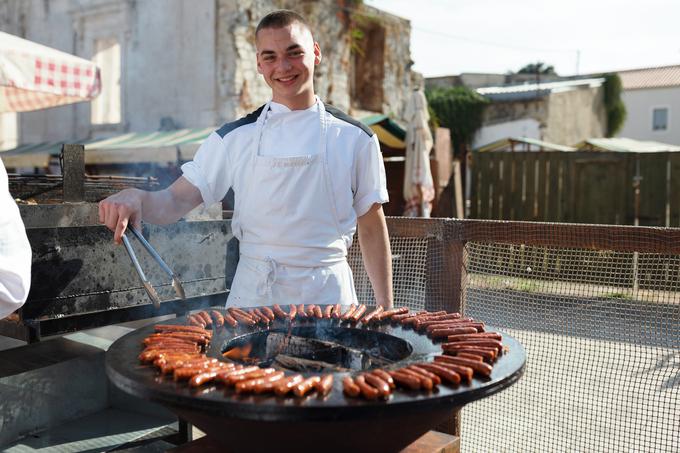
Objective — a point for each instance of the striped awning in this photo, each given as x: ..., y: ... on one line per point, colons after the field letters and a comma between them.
x: 157, y: 147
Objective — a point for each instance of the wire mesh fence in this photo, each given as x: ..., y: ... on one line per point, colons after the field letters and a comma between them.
x: 597, y: 309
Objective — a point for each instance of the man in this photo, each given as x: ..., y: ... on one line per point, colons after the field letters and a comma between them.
x: 304, y: 174
x: 15, y: 252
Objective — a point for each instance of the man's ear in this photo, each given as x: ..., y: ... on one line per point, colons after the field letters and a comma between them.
x: 259, y: 68
x: 317, y: 53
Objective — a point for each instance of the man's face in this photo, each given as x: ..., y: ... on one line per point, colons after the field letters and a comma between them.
x: 286, y: 58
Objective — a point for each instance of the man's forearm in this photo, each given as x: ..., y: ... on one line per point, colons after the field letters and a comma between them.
x: 171, y: 204
x: 375, y: 249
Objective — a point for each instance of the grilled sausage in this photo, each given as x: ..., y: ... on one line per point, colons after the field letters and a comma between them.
x: 197, y: 321
x: 287, y: 384
x: 232, y: 379
x: 278, y: 312
x: 482, y: 342
x: 470, y: 355
x: 268, y: 313
x: 405, y: 380
x: 488, y: 354
x: 384, y: 375
x: 242, y: 318
x: 388, y: 314
x: 371, y: 316
x: 306, y: 386
x: 223, y: 376
x: 337, y: 311
x: 204, y: 377
x: 325, y: 384
x: 217, y: 317
x: 349, y: 387
x: 301, y: 313
x: 358, y: 313
x: 267, y: 383
x: 206, y: 317
x: 243, y: 312
x: 292, y: 312
x: 186, y: 372
x: 317, y: 312
x: 179, y: 328
x: 310, y: 310
x: 375, y: 381
x: 481, y: 368
x: 425, y: 382
x: 249, y: 385
x: 465, y: 372
x: 479, y: 326
x: 327, y: 311
x: 348, y: 313
x: 436, y: 380
x: 454, y: 331
x: 367, y: 391
x: 448, y: 375
x: 230, y: 320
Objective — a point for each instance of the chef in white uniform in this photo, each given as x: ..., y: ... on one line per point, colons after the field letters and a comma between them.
x: 304, y: 175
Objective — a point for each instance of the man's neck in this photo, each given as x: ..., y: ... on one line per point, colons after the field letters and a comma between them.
x: 302, y: 102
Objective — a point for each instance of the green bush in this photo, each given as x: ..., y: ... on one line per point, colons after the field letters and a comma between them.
x: 460, y: 110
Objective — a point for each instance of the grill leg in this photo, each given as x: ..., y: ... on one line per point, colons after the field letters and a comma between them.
x: 184, y: 434
x: 451, y: 425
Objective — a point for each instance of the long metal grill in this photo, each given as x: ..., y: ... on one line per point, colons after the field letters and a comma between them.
x: 602, y: 334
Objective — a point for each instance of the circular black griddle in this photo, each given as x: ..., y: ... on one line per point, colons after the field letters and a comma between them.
x: 333, y: 423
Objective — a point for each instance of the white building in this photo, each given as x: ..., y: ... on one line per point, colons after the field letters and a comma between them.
x: 652, y: 99
x: 191, y: 64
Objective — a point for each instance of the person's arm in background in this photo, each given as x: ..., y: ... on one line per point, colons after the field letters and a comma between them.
x: 15, y: 252
x: 375, y: 249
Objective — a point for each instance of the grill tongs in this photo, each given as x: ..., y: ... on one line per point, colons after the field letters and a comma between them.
x: 150, y: 290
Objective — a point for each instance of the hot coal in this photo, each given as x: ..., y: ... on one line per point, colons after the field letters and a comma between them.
x: 310, y: 348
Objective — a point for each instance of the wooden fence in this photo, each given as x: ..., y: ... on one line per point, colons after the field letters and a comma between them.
x: 577, y: 187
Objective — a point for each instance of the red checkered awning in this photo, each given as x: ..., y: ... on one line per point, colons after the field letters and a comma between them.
x: 33, y: 76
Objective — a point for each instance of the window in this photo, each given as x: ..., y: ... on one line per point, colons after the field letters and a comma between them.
x: 660, y: 119
x: 106, y: 106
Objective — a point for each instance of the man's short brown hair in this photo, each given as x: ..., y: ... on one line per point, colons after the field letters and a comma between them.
x: 281, y: 18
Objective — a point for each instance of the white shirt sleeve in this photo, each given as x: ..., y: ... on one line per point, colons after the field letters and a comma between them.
x: 15, y: 252
x: 210, y: 170
x: 369, y: 183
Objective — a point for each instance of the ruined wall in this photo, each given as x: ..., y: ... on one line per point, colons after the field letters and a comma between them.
x: 241, y: 89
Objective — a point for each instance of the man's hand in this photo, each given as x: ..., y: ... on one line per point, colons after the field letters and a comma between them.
x: 134, y: 205
x: 121, y: 209
x: 375, y: 249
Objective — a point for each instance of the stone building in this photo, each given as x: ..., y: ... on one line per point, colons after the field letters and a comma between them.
x: 186, y: 64
x: 562, y: 112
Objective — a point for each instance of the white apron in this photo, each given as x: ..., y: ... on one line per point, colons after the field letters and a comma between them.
x: 291, y: 247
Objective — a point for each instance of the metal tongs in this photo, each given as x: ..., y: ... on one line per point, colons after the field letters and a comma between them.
x: 150, y: 290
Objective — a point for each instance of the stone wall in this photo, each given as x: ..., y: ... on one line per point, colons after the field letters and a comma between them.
x: 194, y: 62
x: 241, y: 89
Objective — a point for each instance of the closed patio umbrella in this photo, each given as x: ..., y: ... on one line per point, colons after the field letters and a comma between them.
x: 418, y: 183
x: 33, y: 76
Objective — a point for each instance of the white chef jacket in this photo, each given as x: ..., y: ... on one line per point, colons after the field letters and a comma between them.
x: 357, y: 178
x: 15, y: 252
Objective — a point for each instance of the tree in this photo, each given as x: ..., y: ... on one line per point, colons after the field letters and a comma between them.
x: 616, y: 109
x: 460, y: 110
x: 537, y: 68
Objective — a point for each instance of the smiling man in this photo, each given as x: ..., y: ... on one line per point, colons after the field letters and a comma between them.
x: 304, y: 175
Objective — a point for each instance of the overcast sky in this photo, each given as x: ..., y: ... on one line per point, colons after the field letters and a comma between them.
x: 454, y: 36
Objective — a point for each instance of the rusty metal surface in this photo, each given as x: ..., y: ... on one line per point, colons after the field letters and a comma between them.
x: 79, y: 270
